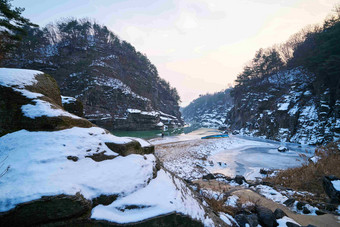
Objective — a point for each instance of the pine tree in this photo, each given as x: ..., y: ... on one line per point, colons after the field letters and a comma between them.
x: 11, y: 26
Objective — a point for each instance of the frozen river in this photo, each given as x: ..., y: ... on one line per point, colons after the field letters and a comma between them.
x: 236, y: 155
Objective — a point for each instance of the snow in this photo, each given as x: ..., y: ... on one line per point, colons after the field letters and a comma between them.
x: 67, y: 99
x: 18, y: 77
x: 271, y: 193
x: 160, y: 124
x: 39, y: 166
x: 232, y: 201
x: 228, y: 219
x: 133, y: 111
x: 282, y: 221
x: 282, y: 106
x: 43, y: 108
x: 163, y: 195
x: 336, y: 184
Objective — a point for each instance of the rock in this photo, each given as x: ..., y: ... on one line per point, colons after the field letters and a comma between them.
x: 282, y: 149
x: 209, y: 177
x: 266, y: 171
x: 328, y: 186
x: 252, y: 220
x: 236, y: 132
x: 320, y: 212
x: 211, y: 163
x: 240, y: 179
x: 73, y: 158
x: 266, y: 216
x: 291, y: 224
x: 104, y: 200
x: 279, y: 213
x: 241, y: 220
x: 305, y: 210
x: 11, y: 101
x: 133, y: 147
x: 300, y: 205
x: 73, y: 105
x: 47, y: 209
x: 289, y: 202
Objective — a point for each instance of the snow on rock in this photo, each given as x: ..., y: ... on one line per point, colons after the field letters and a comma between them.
x: 271, y: 193
x: 39, y: 166
x: 18, y: 77
x: 228, y: 219
x: 232, y: 201
x: 283, y: 221
x: 67, y: 99
x: 163, y: 195
x: 43, y: 108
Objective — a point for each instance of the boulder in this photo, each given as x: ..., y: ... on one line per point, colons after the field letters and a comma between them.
x: 282, y: 149
x: 209, y: 177
x: 39, y: 96
x: 291, y: 224
x: 133, y: 147
x: 279, y: 213
x: 266, y: 216
x: 240, y: 179
x: 289, y: 202
x: 73, y: 106
x: 46, y: 210
x: 331, y: 191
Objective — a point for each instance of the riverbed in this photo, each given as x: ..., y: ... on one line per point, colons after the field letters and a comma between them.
x: 191, y: 157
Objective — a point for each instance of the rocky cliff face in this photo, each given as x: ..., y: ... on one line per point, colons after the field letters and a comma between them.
x: 209, y: 110
x: 77, y: 173
x: 288, y: 109
x: 93, y: 65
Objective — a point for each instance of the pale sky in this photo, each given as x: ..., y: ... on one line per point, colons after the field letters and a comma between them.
x: 199, y: 46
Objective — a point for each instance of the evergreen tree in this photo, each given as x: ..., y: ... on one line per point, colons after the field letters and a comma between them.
x: 11, y: 26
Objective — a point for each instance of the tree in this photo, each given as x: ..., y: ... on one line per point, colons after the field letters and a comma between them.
x: 11, y: 26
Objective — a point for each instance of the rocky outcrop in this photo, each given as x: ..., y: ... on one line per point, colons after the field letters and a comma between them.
x: 33, y: 106
x: 289, y: 109
x: 329, y: 188
x: 138, y: 120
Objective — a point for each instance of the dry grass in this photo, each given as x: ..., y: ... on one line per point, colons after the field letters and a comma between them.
x: 309, y: 176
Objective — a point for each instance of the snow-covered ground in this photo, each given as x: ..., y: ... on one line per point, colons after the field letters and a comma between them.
x: 53, y: 163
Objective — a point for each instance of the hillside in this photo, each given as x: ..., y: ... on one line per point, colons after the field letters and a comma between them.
x: 291, y: 92
x: 92, y: 64
x: 208, y: 110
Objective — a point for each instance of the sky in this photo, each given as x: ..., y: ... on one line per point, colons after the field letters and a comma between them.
x: 199, y: 46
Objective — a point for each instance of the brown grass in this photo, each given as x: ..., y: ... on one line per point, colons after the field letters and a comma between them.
x: 309, y: 176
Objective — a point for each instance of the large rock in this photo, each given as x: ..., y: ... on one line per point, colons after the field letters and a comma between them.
x: 73, y: 105
x: 13, y: 98
x: 46, y: 210
x: 266, y: 217
x: 328, y: 186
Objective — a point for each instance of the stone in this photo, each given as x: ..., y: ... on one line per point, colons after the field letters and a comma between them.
x: 332, y: 193
x: 305, y: 210
x: 320, y: 212
x: 241, y: 220
x: 209, y: 177
x: 240, y: 179
x: 266, y: 216
x: 73, y: 158
x: 300, y: 205
x: 279, y: 213
x: 289, y: 202
x: 47, y: 209
x: 74, y: 106
x: 282, y: 149
x: 132, y: 147
x: 291, y: 224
